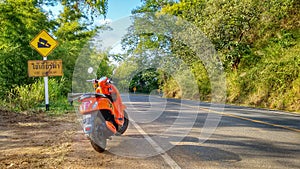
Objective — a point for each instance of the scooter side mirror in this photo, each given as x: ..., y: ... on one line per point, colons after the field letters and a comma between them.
x: 109, y: 81
x: 90, y: 70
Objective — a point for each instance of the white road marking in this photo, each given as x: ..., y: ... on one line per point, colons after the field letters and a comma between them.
x: 164, y: 155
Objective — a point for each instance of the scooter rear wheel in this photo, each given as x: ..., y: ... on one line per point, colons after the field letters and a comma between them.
x: 99, y: 148
x: 98, y: 142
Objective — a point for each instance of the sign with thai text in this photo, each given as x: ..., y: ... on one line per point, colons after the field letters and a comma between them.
x: 43, y: 68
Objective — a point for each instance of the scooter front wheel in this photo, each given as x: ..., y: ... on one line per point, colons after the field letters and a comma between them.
x: 122, y: 129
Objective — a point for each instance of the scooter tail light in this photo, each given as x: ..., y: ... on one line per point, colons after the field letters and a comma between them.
x: 88, y: 129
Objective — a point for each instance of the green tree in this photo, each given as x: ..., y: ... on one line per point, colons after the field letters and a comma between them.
x: 20, y: 21
x: 254, y: 38
x: 124, y: 73
x: 145, y: 81
x: 151, y: 6
x: 233, y: 26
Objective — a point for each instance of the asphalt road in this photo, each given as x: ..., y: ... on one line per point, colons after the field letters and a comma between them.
x: 169, y: 133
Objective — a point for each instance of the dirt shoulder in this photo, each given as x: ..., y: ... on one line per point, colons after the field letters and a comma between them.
x: 41, y: 141
x: 35, y: 140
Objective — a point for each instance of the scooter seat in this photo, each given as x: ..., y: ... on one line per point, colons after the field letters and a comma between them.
x: 89, y: 95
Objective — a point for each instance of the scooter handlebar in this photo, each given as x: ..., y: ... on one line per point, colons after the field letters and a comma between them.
x: 96, y: 81
x: 93, y: 80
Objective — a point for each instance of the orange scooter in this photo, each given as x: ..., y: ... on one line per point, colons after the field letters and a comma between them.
x: 103, y: 113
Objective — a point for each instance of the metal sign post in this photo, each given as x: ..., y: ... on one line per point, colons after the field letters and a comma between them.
x: 44, y: 44
x: 46, y: 90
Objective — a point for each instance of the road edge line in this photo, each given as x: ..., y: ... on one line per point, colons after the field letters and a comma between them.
x: 158, y: 149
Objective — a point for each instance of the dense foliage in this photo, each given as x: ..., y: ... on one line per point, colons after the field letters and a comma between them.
x: 257, y: 42
x: 22, y: 20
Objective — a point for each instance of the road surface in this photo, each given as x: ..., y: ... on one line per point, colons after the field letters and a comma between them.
x: 162, y: 134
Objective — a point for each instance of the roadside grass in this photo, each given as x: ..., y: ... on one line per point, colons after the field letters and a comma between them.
x: 30, y: 98
x: 58, y: 107
x: 272, y: 83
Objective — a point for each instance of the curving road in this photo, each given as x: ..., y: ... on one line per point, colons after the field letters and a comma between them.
x: 169, y: 133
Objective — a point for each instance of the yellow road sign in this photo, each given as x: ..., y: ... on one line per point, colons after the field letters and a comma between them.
x: 44, y: 43
x: 40, y: 68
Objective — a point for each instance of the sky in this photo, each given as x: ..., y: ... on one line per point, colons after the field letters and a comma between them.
x: 118, y: 9
x: 117, y: 16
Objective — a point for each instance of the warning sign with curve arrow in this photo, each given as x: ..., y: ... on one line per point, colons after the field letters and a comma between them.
x: 44, y: 43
